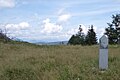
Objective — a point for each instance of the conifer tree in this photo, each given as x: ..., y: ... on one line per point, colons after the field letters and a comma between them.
x: 113, y: 31
x: 91, y: 38
x: 77, y: 39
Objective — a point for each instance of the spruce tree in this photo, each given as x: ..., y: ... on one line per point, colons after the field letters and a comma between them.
x: 77, y: 39
x: 113, y: 31
x: 91, y: 38
x: 74, y: 40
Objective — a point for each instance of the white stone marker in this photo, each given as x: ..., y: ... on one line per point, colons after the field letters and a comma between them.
x: 103, y: 52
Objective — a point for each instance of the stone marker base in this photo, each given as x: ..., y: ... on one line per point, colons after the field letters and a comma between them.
x: 103, y: 59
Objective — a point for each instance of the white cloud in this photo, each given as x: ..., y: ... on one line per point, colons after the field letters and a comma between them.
x: 75, y: 30
x: 100, y: 31
x: 72, y: 31
x: 64, y: 17
x: 24, y: 25
x: 7, y: 3
x: 63, y: 35
x: 16, y: 30
x: 19, y: 26
x: 46, y: 20
x: 61, y: 11
x: 49, y: 27
x: 84, y: 28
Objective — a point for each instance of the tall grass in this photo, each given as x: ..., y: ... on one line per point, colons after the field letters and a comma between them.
x: 31, y: 62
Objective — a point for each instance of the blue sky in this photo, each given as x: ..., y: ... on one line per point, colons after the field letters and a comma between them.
x: 54, y: 20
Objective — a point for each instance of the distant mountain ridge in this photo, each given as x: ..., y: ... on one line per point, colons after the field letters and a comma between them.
x: 53, y: 43
x: 43, y: 42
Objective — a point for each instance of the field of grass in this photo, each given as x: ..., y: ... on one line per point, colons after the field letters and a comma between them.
x: 32, y: 62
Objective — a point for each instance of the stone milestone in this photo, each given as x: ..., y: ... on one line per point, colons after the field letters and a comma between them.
x: 103, y: 52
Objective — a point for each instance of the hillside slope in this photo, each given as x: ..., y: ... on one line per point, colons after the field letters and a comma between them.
x: 30, y: 62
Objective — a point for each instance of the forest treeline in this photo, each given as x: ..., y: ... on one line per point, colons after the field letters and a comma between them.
x: 112, y: 31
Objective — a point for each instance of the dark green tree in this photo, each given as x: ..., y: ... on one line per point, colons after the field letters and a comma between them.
x: 78, y: 39
x: 3, y: 37
x: 113, y: 31
x: 81, y: 36
x: 74, y: 40
x: 91, y: 38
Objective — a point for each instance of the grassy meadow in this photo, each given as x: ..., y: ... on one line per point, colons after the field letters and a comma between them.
x: 32, y: 62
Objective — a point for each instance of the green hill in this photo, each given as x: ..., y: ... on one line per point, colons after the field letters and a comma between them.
x: 24, y: 61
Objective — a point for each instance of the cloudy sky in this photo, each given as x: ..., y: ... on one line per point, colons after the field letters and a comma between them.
x: 54, y: 20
